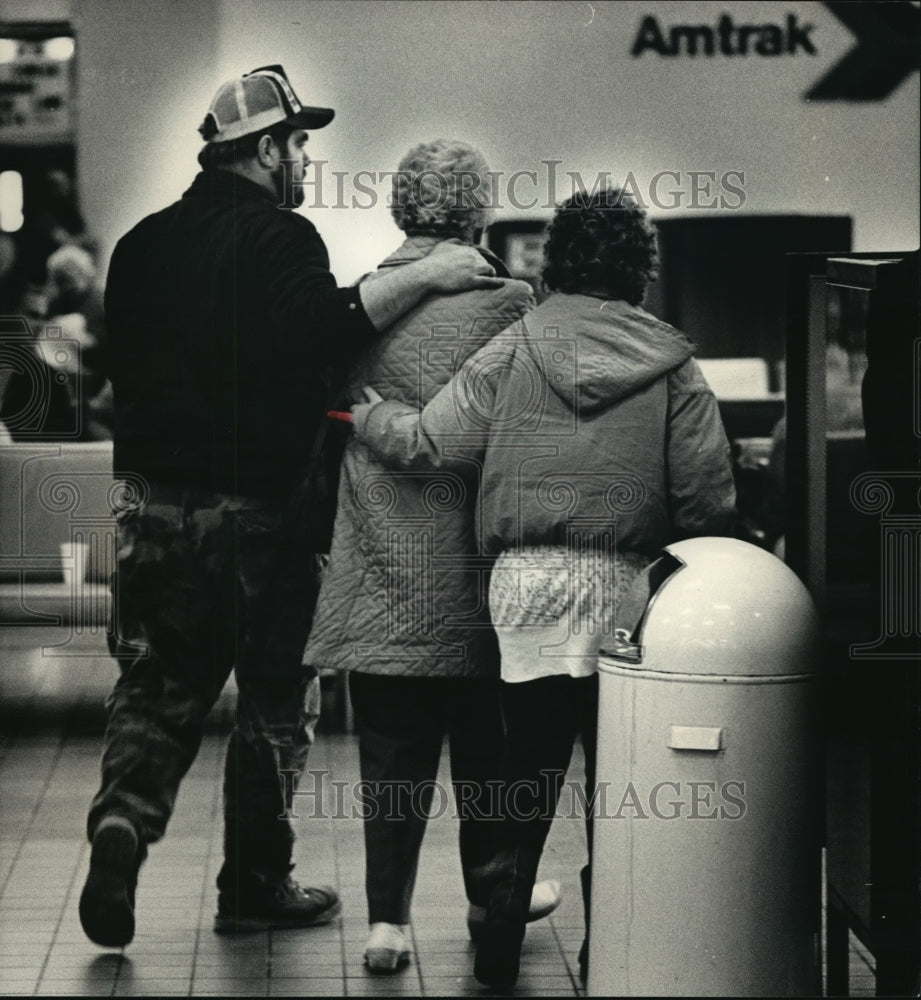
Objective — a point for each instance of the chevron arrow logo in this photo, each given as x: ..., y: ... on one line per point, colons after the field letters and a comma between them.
x: 888, y: 51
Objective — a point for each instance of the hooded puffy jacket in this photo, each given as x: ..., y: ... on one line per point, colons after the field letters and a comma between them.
x: 586, y: 416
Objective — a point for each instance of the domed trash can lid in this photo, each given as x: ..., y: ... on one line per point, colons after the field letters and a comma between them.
x: 715, y: 606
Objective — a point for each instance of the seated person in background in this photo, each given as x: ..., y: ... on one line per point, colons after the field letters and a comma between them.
x: 35, y: 402
x: 73, y: 288
x: 409, y: 622
x: 58, y: 388
x: 75, y: 303
x: 597, y: 441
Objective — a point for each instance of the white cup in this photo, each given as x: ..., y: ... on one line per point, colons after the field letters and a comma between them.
x: 74, y: 558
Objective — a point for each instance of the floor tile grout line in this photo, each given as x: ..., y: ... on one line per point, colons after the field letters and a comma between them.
x: 418, y: 965
x: 27, y: 829
x: 49, y: 775
x: 82, y: 699
x: 67, y: 902
x: 337, y: 869
x: 63, y: 730
x: 346, y: 857
x: 216, y: 815
x: 573, y: 977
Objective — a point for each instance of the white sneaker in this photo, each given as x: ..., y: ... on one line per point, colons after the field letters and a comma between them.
x: 387, y: 949
x: 546, y: 896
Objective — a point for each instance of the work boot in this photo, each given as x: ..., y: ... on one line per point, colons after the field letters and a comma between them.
x: 107, y: 900
x: 260, y: 903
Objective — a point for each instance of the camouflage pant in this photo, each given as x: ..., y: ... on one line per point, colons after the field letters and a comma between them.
x: 206, y: 583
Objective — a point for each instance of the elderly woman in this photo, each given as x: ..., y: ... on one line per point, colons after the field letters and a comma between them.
x: 597, y: 441
x: 402, y: 605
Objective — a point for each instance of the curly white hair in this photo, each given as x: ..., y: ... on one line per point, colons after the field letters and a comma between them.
x: 442, y: 187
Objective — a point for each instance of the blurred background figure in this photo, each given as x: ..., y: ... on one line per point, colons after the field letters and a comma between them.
x: 55, y: 221
x: 10, y: 290
x: 56, y: 385
x: 75, y: 304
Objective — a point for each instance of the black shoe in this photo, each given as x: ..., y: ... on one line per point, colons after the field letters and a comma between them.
x: 498, y: 952
x: 275, y: 906
x: 583, y: 962
x: 107, y: 900
x: 545, y: 898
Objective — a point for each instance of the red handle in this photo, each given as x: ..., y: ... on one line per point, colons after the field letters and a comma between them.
x: 342, y: 415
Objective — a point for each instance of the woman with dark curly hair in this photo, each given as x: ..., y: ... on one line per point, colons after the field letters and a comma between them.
x: 594, y: 441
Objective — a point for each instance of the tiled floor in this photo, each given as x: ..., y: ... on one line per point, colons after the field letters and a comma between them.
x: 50, y: 711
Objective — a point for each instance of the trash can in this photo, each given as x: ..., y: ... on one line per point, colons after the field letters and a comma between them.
x: 706, y: 873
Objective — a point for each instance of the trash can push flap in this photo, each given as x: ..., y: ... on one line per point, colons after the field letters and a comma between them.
x: 715, y: 606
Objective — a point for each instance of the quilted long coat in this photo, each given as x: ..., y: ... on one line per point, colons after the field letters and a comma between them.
x: 405, y: 592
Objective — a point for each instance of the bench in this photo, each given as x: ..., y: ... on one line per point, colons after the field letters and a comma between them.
x: 56, y: 516
x: 56, y: 502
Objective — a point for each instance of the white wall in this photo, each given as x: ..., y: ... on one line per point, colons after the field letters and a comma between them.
x: 35, y: 10
x: 532, y: 81
x: 526, y: 81
x: 143, y: 72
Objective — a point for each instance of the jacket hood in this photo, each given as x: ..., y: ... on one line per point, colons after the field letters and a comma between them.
x: 593, y: 352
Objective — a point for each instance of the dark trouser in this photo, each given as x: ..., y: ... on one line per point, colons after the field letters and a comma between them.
x: 543, y: 717
x: 402, y: 724
x: 204, y: 583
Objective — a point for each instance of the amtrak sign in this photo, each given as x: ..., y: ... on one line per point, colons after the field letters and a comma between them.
x: 725, y: 38
x: 887, y: 45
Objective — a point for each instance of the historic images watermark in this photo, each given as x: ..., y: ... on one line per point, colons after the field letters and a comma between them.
x: 540, y: 187
x: 313, y: 794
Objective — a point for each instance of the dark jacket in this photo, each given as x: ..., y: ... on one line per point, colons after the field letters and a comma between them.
x: 222, y: 316
x: 403, y: 593
x: 585, y: 416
